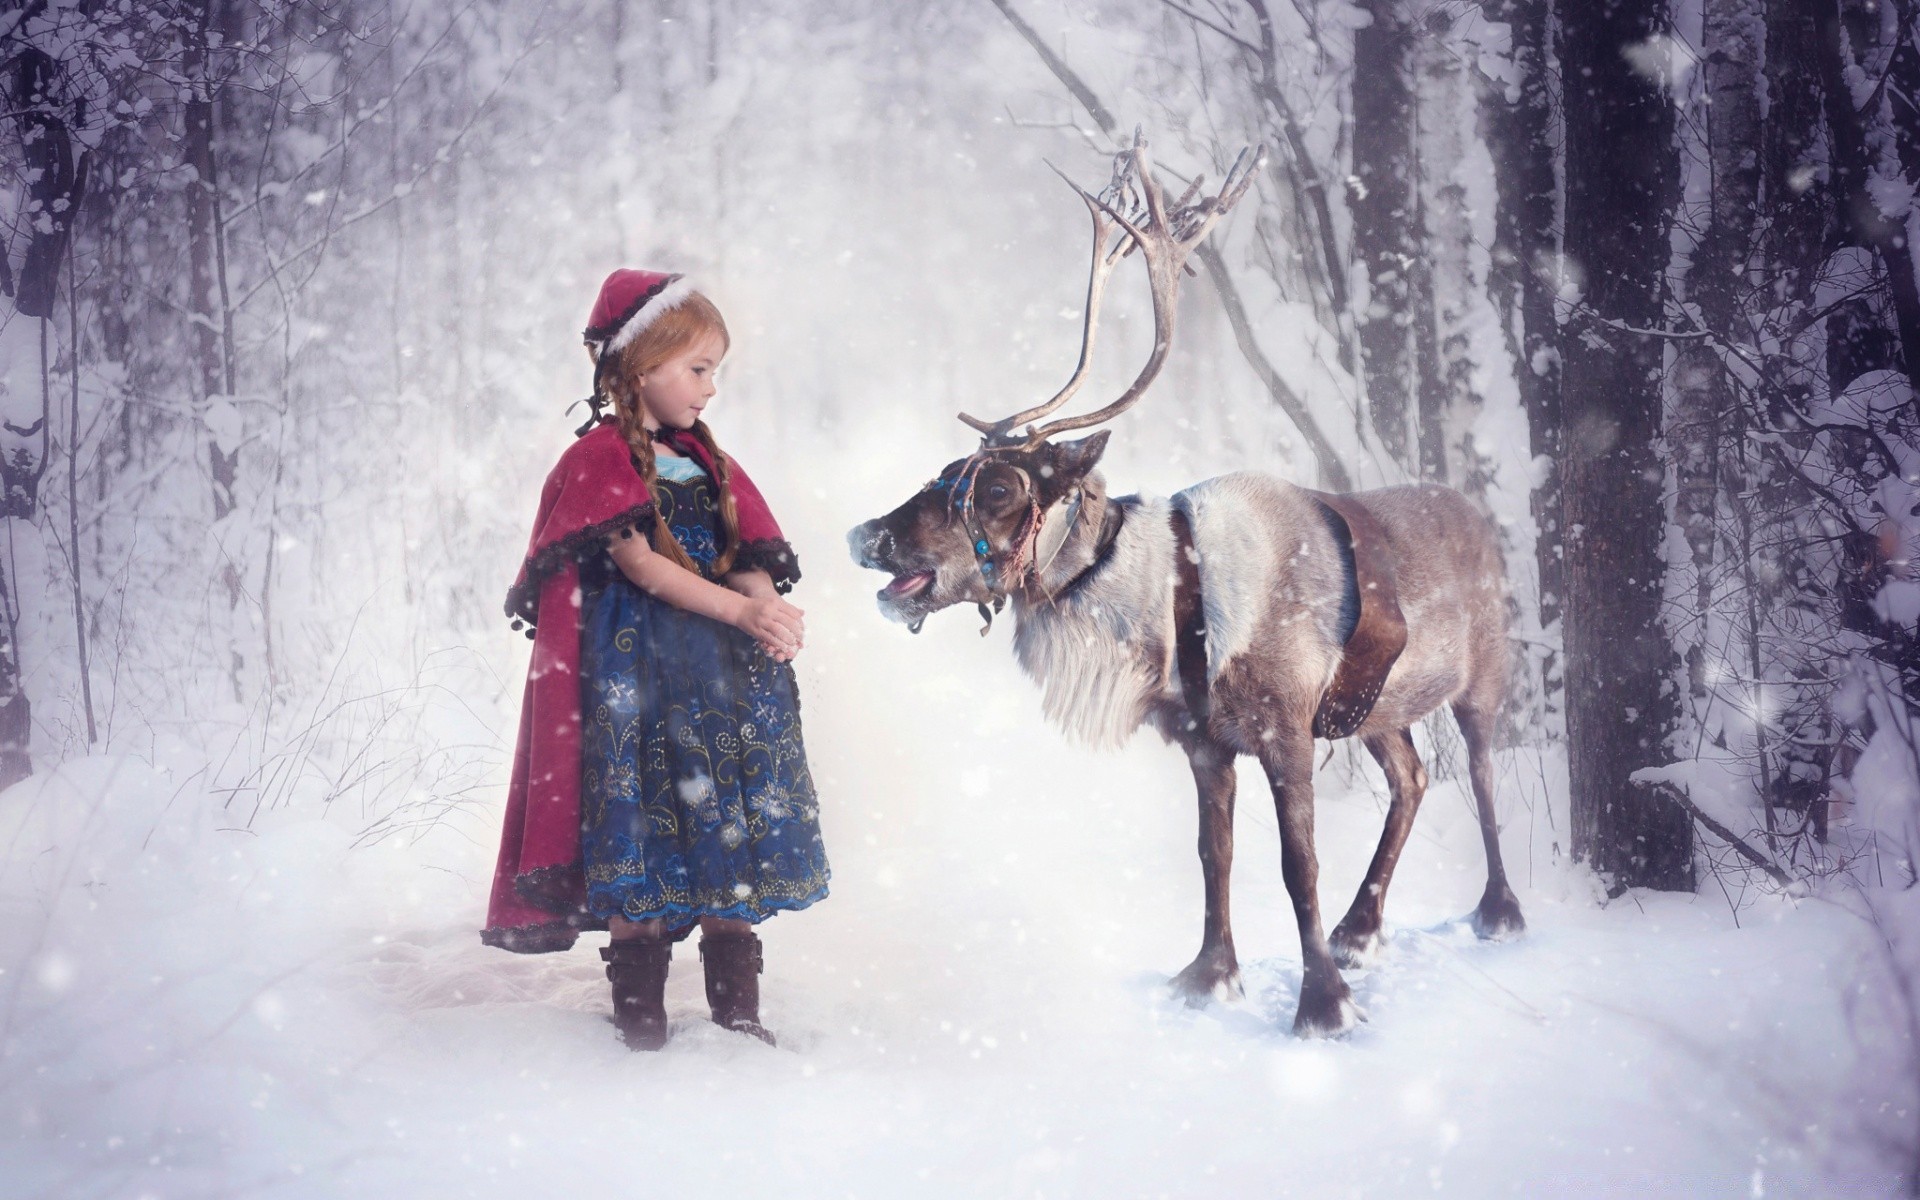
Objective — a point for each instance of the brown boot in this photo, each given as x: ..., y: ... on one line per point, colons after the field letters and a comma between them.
x: 638, y: 969
x: 733, y: 966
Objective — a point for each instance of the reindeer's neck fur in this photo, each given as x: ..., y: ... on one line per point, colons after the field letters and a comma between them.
x: 1097, y: 632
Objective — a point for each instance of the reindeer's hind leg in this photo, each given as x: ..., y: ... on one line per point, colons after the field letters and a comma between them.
x: 1357, y: 935
x: 1326, y: 1003
x: 1215, y: 968
x: 1499, y: 913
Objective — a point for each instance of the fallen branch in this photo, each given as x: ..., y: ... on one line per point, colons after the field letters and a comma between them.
x: 1740, y: 845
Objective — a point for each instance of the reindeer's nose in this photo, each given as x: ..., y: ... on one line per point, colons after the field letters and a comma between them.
x: 868, y: 542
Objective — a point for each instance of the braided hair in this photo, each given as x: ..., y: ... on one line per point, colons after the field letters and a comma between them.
x: 670, y: 334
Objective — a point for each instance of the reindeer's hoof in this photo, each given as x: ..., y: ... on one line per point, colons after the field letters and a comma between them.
x: 1326, y: 1010
x: 1353, y: 948
x: 1498, y: 917
x: 1208, y: 977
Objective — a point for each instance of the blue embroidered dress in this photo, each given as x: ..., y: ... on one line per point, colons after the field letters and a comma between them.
x: 695, y: 794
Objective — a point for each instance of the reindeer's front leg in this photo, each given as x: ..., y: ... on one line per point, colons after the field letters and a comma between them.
x: 1215, y: 969
x: 1326, y: 1003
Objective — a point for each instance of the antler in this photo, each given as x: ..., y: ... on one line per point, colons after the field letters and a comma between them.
x: 1165, y: 237
x: 1119, y: 192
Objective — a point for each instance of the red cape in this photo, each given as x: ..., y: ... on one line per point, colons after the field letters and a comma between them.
x: 539, y: 895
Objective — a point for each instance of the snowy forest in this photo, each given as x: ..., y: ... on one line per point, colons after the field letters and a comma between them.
x: 290, y: 307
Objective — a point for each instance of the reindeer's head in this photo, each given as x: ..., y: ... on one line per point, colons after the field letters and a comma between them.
x: 991, y: 523
x: 987, y: 524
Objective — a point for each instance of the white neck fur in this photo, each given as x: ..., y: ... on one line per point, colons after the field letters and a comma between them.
x: 1101, y: 648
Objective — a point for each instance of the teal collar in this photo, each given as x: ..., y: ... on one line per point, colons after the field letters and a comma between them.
x: 679, y: 470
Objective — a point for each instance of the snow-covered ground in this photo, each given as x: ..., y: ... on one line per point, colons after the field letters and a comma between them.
x: 190, y: 1008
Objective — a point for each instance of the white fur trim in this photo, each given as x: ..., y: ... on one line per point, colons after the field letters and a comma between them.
x: 672, y: 296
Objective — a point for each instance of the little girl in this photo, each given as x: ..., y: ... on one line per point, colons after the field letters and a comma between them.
x: 660, y: 780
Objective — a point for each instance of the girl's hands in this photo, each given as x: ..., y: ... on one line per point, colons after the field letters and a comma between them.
x: 747, y: 600
x: 779, y: 627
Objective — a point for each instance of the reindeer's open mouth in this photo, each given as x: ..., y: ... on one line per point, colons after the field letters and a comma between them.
x: 904, y: 586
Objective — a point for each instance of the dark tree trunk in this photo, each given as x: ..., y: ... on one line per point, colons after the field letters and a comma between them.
x: 16, y: 709
x: 1903, y: 91
x: 1430, y: 386
x: 204, y: 251
x: 211, y: 308
x: 1801, y: 226
x: 1798, y: 215
x: 56, y: 187
x: 1519, y: 128
x: 1859, y: 339
x: 1381, y: 199
x: 1720, y: 277
x: 56, y: 184
x: 1718, y: 281
x: 1621, y: 180
x: 1850, y: 165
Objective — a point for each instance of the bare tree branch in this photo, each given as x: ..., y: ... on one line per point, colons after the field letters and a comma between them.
x: 1331, y: 469
x: 1061, y: 71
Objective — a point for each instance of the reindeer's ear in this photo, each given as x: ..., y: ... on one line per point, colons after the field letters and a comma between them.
x: 1072, y: 460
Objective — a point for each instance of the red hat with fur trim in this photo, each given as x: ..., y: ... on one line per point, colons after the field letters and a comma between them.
x: 629, y: 302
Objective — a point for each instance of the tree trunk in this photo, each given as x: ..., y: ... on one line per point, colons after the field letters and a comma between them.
x: 56, y: 180
x: 1450, y: 402
x: 1621, y: 180
x: 16, y: 709
x: 1722, y: 271
x: 1851, y: 168
x: 1381, y: 199
x: 1519, y: 104
x: 56, y: 185
x: 1711, y: 424
x: 211, y: 310
x: 1430, y: 389
x: 204, y: 252
x: 1520, y: 137
x: 1717, y: 283
x: 1798, y: 215
x: 1903, y: 98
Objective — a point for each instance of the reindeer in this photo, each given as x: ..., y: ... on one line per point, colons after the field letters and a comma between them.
x: 1245, y: 616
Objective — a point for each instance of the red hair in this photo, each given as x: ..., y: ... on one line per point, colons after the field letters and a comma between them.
x: 671, y: 333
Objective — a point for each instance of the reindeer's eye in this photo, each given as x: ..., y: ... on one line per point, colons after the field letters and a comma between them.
x: 997, y: 492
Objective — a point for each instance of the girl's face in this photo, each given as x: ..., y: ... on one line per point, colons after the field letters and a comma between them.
x: 673, y: 394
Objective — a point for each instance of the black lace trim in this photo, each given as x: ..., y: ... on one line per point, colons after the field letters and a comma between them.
x: 523, y: 602
x: 774, y: 556
x: 557, y: 888
x: 550, y: 937
x: 532, y: 939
